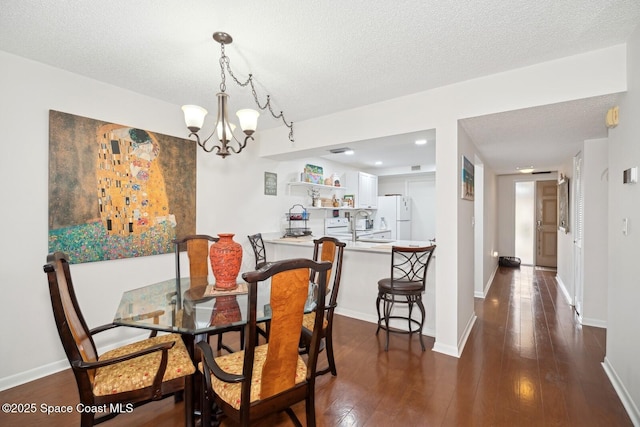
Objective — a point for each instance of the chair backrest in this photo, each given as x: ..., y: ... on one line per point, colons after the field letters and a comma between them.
x: 332, y: 250
x: 197, y: 246
x: 72, y: 328
x: 409, y: 264
x: 258, y: 249
x: 289, y: 292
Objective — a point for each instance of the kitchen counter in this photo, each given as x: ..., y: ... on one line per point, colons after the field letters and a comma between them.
x: 364, y: 263
x: 366, y: 244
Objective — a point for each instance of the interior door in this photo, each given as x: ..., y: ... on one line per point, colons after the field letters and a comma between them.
x: 547, y: 223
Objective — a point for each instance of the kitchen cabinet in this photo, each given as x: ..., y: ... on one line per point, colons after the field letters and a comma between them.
x: 365, y: 189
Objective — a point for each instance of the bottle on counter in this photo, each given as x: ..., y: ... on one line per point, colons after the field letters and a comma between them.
x: 383, y: 224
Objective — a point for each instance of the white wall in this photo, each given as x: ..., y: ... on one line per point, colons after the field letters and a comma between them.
x: 595, y: 244
x: 466, y: 245
x: 623, y: 323
x: 564, y: 271
x: 486, y: 262
x: 595, y: 175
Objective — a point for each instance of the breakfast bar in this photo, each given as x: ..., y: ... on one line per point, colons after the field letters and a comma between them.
x: 365, y: 262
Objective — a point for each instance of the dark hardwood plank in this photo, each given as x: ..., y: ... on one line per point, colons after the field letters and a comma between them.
x: 527, y: 362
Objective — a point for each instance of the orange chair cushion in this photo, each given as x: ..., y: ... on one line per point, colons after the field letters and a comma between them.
x: 309, y: 319
x: 138, y: 373
x: 232, y: 363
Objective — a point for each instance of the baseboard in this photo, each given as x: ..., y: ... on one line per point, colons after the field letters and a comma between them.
x: 467, y: 331
x: 597, y: 323
x: 374, y: 319
x: 487, y: 286
x: 356, y: 315
x: 55, y: 367
x: 453, y: 350
x: 564, y: 290
x: 623, y: 394
x: 33, y: 374
x: 449, y: 350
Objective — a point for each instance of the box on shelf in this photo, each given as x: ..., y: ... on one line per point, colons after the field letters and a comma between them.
x: 313, y: 174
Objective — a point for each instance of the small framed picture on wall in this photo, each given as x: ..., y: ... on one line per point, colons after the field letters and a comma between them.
x: 467, y: 191
x: 270, y: 184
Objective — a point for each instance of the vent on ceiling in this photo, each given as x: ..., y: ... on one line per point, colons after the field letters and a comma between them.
x: 339, y: 150
x: 541, y: 172
x: 415, y: 168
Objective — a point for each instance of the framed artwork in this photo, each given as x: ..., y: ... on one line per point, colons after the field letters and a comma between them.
x: 270, y: 184
x: 116, y: 191
x: 563, y: 205
x: 467, y: 191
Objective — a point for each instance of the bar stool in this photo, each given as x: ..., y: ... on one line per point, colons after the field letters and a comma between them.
x: 405, y: 286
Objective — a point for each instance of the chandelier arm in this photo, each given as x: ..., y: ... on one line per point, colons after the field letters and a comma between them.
x: 227, y: 64
x: 242, y: 145
x: 203, y: 144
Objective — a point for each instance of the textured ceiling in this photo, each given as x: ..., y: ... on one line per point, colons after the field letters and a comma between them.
x: 314, y: 58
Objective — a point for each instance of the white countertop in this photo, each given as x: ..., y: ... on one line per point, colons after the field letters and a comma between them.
x: 382, y: 246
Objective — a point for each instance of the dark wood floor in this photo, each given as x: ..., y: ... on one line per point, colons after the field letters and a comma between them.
x: 526, y: 363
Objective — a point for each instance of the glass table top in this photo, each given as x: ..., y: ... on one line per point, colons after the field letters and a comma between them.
x: 179, y: 306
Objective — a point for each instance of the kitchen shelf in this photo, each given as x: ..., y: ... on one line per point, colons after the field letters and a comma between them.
x: 311, y: 184
x: 331, y: 208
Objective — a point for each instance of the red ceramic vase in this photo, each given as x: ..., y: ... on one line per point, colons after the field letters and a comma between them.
x: 226, y: 256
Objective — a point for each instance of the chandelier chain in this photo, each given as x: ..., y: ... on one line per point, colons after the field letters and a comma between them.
x: 225, y: 63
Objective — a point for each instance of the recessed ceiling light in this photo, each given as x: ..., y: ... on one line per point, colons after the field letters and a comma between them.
x: 378, y: 163
x: 525, y: 169
x: 349, y: 152
x: 339, y: 150
x: 421, y: 141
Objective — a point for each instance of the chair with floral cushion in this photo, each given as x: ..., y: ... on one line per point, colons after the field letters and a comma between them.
x: 155, y: 368
x: 269, y: 378
x: 332, y: 250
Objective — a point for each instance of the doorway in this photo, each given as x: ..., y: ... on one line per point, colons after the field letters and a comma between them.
x: 547, y: 224
x: 536, y: 213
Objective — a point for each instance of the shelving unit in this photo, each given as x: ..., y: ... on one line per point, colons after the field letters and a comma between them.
x: 297, y: 219
x: 312, y: 185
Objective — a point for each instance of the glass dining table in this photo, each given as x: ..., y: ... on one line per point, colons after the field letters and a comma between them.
x: 195, y: 311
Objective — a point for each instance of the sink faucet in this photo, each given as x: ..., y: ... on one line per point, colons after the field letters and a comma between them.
x: 354, y: 217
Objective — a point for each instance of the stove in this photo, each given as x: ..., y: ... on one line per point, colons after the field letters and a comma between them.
x: 338, y: 227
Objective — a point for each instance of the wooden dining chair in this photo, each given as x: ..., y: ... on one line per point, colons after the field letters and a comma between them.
x: 137, y: 373
x: 405, y: 286
x: 197, y: 247
x: 268, y: 378
x: 260, y: 254
x: 332, y: 250
x: 259, y: 251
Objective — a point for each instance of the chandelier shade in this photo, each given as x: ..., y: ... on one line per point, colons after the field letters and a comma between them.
x: 223, y: 129
x: 194, y: 117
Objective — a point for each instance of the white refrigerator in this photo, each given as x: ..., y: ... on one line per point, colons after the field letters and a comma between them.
x: 396, y: 211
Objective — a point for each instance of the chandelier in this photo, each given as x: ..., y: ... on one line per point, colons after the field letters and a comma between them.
x: 224, y: 129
